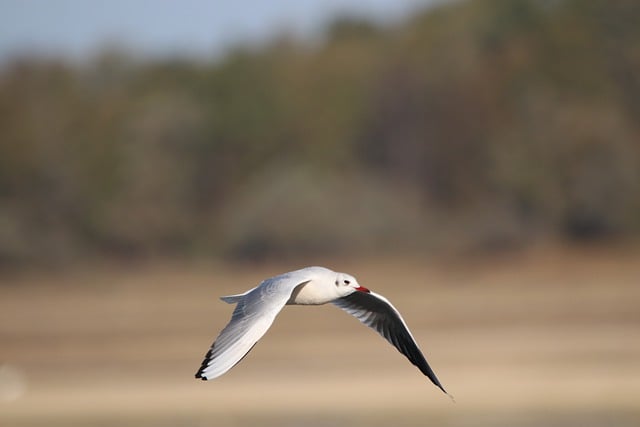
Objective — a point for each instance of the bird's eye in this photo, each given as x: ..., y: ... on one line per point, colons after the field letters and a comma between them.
x: 346, y: 282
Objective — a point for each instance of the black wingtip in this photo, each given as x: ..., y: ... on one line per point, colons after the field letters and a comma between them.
x: 199, y: 374
x: 204, y: 365
x: 436, y: 381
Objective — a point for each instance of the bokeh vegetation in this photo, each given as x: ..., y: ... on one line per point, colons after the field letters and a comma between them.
x: 477, y: 124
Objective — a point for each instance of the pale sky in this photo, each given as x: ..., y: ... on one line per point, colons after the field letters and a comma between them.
x: 77, y: 28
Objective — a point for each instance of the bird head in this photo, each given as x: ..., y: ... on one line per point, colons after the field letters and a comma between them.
x: 348, y: 284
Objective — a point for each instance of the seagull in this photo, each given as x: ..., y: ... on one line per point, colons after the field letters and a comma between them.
x: 257, y: 308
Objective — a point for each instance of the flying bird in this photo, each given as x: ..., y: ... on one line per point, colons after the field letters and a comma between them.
x: 258, y: 307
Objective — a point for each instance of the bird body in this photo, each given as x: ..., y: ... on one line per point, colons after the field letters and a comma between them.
x: 316, y: 287
x: 257, y: 308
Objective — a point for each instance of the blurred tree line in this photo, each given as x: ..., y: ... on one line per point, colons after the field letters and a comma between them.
x: 476, y: 124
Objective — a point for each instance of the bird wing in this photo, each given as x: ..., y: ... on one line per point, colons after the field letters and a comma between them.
x: 254, y: 313
x: 376, y: 312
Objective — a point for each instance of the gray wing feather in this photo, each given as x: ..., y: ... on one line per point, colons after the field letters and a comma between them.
x: 254, y: 313
x: 376, y: 312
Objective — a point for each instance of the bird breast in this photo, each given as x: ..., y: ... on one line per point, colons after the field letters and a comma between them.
x: 312, y: 293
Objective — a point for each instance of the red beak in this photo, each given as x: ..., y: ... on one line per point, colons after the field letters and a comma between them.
x: 363, y: 289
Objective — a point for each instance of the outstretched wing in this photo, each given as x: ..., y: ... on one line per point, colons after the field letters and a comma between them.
x: 254, y: 313
x: 376, y: 312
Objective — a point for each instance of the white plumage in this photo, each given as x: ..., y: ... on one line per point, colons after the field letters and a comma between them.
x: 257, y: 308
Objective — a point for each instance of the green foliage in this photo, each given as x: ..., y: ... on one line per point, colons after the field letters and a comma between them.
x: 486, y: 122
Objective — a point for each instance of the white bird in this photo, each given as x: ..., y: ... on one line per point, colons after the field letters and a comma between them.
x: 257, y: 308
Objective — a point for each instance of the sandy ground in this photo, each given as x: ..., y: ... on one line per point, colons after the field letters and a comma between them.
x: 550, y: 337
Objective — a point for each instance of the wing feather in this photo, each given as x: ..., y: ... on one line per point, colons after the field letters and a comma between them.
x: 254, y: 313
x: 376, y: 312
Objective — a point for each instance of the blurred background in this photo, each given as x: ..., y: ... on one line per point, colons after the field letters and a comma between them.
x: 476, y: 161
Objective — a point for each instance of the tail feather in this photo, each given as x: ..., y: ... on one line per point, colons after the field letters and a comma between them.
x: 232, y: 299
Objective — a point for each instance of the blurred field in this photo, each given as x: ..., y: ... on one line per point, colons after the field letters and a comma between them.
x: 547, y: 337
x: 484, y: 124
